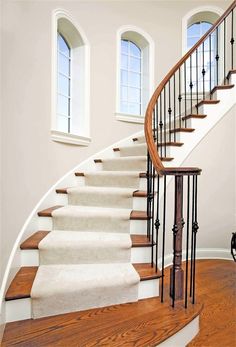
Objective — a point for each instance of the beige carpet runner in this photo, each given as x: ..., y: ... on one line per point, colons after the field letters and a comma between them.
x: 85, y: 261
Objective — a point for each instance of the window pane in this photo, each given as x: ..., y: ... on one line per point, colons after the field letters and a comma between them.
x: 124, y: 61
x: 194, y: 30
x: 62, y: 105
x: 63, y: 64
x: 62, y: 46
x: 134, y: 79
x: 63, y: 85
x: 124, y: 93
x: 134, y: 95
x: 62, y: 123
x: 205, y: 27
x: 135, y: 64
x: 192, y: 41
x: 124, y: 107
x: 134, y: 109
x: 124, y: 46
x: 134, y: 50
x: 124, y: 77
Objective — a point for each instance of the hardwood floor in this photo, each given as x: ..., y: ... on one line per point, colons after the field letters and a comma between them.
x: 141, y: 324
x: 216, y: 289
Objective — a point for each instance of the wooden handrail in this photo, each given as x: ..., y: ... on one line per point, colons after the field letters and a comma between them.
x: 157, y: 163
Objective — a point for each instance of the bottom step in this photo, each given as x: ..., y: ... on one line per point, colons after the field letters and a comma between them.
x: 148, y: 321
x: 18, y: 296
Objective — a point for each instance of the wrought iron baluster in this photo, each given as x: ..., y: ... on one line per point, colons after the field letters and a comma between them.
x: 174, y: 109
x: 187, y: 242
x: 232, y: 40
x: 169, y: 111
x: 163, y: 242
x: 203, y: 71
x: 180, y: 98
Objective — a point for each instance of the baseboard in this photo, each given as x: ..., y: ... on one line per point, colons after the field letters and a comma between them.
x: 202, y: 253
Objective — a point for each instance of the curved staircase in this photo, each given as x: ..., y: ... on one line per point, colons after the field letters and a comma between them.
x: 98, y: 245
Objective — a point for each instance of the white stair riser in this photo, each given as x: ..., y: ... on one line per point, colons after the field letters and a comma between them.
x: 18, y: 310
x: 139, y: 204
x: 21, y: 309
x: 30, y: 257
x: 136, y: 226
x: 195, y: 122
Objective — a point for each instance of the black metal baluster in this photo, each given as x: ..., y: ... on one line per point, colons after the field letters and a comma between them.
x: 165, y: 121
x: 187, y: 243
x: 169, y: 112
x: 175, y: 230
x: 163, y: 242
x: 192, y: 244
x: 197, y: 78
x: 191, y: 90
x: 180, y: 98
x: 185, y: 94
x: 217, y: 56
x: 203, y: 71
x: 232, y: 40
x: 161, y: 127
x: 195, y: 229
x: 174, y: 110
x: 157, y: 223
x: 148, y: 193
x: 153, y: 209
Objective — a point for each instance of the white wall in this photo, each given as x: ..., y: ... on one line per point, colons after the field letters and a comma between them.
x: 31, y: 161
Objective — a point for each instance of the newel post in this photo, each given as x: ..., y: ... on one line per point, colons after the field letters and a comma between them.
x: 176, y: 271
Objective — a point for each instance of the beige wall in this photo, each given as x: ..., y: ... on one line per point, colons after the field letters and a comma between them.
x: 31, y: 161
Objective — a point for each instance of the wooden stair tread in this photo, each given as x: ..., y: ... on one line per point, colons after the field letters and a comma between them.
x: 136, y: 193
x: 48, y: 211
x: 146, y: 271
x: 140, y: 240
x: 231, y: 72
x: 185, y: 130
x: 222, y: 87
x: 197, y: 116
x: 138, y: 215
x: 116, y: 326
x: 167, y: 144
x: 207, y: 102
x: 32, y: 242
x: 21, y: 285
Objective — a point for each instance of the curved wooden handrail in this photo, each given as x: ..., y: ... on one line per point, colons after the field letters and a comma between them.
x: 157, y: 163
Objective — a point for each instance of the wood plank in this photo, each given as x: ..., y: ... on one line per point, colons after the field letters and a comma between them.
x: 231, y: 72
x: 32, y: 242
x: 222, y: 87
x: 96, y: 161
x: 48, y: 211
x: 166, y: 159
x: 140, y: 241
x: 184, y: 130
x: 169, y: 144
x: 146, y: 271
x: 21, y: 284
x: 116, y: 326
x: 138, y: 215
x: 197, y: 116
x: 207, y: 102
x: 61, y: 190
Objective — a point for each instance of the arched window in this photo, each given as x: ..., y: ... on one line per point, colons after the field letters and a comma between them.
x: 206, y: 56
x: 130, y: 78
x: 63, y: 84
x: 195, y: 24
x: 134, y: 74
x: 70, y: 104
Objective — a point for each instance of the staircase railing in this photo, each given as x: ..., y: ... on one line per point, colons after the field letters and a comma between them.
x: 178, y: 98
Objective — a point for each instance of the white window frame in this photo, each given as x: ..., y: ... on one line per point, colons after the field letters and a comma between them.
x: 80, y: 135
x: 138, y: 36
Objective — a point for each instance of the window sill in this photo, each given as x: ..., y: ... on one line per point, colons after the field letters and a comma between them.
x: 130, y: 118
x: 72, y: 139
